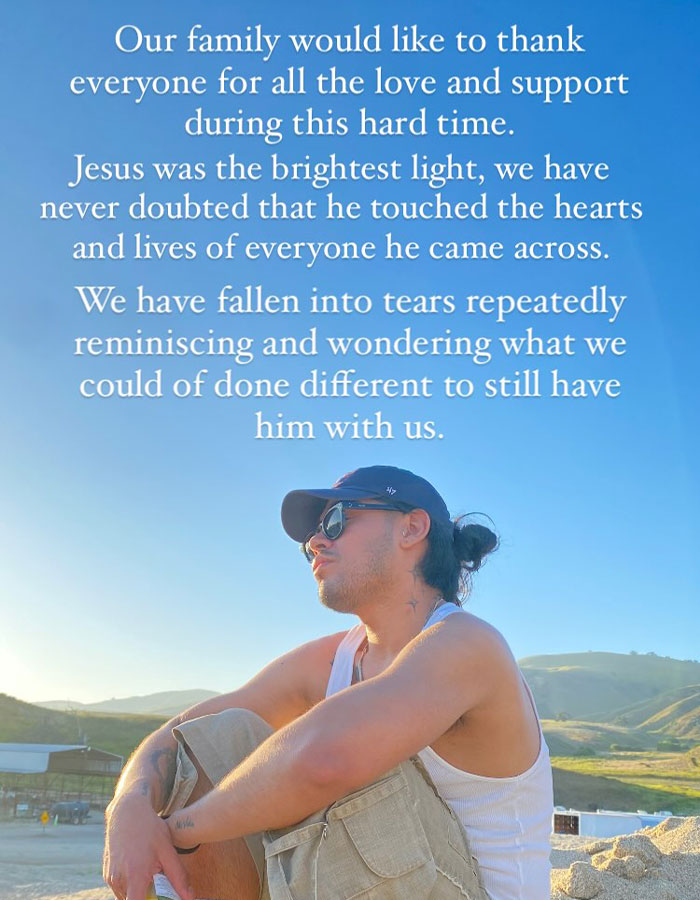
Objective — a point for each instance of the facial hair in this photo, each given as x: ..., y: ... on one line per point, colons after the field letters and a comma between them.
x: 366, y: 580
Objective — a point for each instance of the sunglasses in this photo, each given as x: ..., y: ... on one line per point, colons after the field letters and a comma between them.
x: 333, y: 522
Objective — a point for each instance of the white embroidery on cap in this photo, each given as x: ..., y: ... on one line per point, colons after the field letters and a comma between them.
x: 391, y: 490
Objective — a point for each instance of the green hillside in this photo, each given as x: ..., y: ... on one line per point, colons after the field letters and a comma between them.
x: 665, y: 672
x: 692, y: 758
x: 571, y: 738
x: 594, y: 686
x: 680, y: 719
x: 639, y: 713
x: 25, y: 723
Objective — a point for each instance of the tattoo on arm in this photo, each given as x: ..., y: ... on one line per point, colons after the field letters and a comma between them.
x: 164, y: 764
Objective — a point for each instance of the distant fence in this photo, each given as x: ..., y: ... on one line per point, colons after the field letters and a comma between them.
x: 27, y: 796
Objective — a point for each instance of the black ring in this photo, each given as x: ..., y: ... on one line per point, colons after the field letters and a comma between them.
x: 184, y: 850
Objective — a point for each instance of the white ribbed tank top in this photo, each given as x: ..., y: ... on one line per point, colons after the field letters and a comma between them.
x: 508, y: 820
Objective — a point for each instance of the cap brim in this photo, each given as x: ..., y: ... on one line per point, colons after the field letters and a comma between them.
x: 302, y: 509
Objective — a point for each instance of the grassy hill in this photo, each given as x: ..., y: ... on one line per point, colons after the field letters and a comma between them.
x: 596, y: 686
x: 639, y: 713
x: 25, y: 723
x: 165, y: 703
x: 673, y: 714
x: 571, y: 738
x: 680, y: 719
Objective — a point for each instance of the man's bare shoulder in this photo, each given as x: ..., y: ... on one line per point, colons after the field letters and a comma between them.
x: 472, y: 647
x: 464, y: 627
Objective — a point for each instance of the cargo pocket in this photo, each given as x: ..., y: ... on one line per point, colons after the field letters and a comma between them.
x: 291, y: 861
x: 370, y: 844
x: 376, y: 836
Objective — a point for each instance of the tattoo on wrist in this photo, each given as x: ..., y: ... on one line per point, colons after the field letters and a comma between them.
x: 188, y: 823
x: 180, y: 824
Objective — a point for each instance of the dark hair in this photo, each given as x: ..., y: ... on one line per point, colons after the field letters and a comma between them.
x: 455, y: 551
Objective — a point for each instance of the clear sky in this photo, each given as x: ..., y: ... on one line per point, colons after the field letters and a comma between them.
x: 141, y: 547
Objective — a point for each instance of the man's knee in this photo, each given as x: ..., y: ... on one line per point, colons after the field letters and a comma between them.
x: 247, y: 723
x: 221, y: 741
x: 209, y: 747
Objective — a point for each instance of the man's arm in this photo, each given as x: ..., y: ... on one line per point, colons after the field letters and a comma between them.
x: 279, y: 694
x: 138, y: 842
x: 353, y: 737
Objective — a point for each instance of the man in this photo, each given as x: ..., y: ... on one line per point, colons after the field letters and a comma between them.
x: 402, y: 758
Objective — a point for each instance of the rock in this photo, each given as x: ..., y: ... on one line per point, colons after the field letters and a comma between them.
x: 638, y: 845
x: 669, y: 824
x: 634, y: 868
x: 596, y: 847
x: 683, y: 835
x: 629, y: 867
x: 580, y: 880
x: 613, y: 864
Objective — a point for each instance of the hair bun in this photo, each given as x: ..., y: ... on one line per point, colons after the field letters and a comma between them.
x: 472, y: 543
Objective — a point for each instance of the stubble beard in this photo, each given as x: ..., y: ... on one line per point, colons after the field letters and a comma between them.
x: 348, y: 592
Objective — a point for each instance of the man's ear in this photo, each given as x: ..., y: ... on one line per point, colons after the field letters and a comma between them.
x: 415, y: 527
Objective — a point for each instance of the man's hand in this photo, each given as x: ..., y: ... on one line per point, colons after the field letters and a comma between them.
x: 138, y: 846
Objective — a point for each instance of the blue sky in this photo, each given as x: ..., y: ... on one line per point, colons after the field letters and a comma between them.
x: 141, y: 544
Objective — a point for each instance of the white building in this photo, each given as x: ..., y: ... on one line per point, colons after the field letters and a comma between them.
x: 604, y: 823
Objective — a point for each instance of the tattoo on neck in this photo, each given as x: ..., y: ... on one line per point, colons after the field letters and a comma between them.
x: 164, y: 762
x: 180, y: 824
x: 413, y: 603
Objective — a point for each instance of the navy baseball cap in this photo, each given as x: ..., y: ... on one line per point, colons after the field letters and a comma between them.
x: 301, y: 510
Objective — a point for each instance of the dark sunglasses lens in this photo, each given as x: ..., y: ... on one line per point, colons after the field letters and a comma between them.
x: 332, y: 523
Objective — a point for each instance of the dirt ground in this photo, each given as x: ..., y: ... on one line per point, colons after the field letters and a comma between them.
x: 61, y: 861
x: 64, y: 862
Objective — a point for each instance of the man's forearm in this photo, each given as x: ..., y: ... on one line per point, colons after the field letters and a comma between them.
x: 151, y: 770
x: 281, y: 782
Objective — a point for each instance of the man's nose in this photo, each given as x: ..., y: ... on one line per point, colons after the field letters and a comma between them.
x: 317, y: 541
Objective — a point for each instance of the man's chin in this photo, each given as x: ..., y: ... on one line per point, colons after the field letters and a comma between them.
x: 336, y: 600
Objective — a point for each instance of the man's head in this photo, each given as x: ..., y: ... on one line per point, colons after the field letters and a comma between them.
x: 386, y: 522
